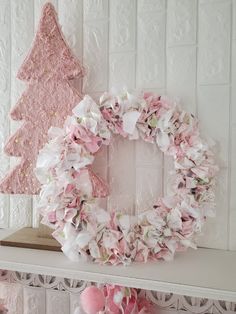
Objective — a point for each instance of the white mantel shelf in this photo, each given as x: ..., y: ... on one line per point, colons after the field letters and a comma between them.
x: 204, y: 273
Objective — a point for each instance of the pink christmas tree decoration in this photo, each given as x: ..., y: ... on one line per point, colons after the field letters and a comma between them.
x: 48, y: 100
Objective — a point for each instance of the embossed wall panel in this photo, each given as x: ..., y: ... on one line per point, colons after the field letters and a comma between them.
x: 5, y: 88
x: 186, y: 48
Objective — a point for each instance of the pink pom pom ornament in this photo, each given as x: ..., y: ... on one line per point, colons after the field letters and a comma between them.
x: 92, y: 300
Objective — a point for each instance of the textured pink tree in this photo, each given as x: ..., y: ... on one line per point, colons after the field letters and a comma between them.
x: 49, y: 98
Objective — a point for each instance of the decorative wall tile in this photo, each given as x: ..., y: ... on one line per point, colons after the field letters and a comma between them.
x: 150, y: 49
x: 34, y: 300
x: 72, y: 24
x: 122, y: 25
x: 95, y: 55
x: 181, y: 22
x: 122, y: 70
x: 95, y: 9
x: 57, y: 302
x: 214, y: 42
x: 181, y: 76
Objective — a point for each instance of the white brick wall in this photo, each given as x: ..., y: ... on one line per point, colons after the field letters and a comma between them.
x: 182, y: 47
x: 185, y: 48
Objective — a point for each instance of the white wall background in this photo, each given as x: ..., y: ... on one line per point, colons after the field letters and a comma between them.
x: 186, y: 48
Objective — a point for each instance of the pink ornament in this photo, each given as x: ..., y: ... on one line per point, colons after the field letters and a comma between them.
x: 92, y: 300
x: 3, y: 310
x: 47, y: 101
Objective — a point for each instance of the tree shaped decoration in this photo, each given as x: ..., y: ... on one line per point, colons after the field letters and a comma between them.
x: 46, y: 102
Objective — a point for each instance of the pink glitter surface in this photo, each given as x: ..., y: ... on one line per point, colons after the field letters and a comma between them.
x: 47, y: 101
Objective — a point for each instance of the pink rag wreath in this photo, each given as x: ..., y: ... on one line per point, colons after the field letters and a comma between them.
x: 70, y: 189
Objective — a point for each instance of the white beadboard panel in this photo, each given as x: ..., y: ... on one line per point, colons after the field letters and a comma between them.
x: 232, y: 165
x: 5, y: 87
x: 214, y: 101
x: 22, y: 31
x: 122, y: 25
x: 34, y: 300
x: 181, y: 22
x: 214, y: 42
x: 13, y: 295
x: 38, y: 4
x: 181, y: 76
x: 95, y: 55
x: 151, y: 48
x: 57, y: 302
x: 122, y: 70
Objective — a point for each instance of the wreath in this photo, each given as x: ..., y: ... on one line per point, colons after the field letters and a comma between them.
x: 70, y: 189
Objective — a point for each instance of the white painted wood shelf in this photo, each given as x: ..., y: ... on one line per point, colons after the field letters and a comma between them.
x: 204, y: 273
